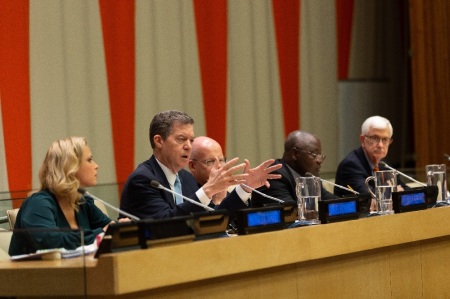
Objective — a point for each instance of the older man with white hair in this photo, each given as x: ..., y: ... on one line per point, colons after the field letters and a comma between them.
x: 375, y: 138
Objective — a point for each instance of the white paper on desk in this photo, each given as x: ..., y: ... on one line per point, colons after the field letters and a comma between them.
x: 48, y: 254
x: 86, y: 249
x: 56, y: 253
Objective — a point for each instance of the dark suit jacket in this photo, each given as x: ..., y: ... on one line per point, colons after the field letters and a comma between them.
x: 139, y: 198
x: 283, y: 188
x: 353, y: 171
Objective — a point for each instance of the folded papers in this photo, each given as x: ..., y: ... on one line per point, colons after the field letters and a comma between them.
x: 56, y: 253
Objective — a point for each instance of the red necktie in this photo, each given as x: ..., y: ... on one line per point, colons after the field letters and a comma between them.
x: 376, y: 168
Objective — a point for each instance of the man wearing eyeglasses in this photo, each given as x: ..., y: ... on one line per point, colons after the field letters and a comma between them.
x: 171, y: 135
x: 375, y: 138
x: 302, y: 155
x: 206, y: 155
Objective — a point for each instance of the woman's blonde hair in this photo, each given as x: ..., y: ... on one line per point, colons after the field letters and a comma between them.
x: 58, y: 171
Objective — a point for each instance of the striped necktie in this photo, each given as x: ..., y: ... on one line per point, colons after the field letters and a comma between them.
x: 177, y: 189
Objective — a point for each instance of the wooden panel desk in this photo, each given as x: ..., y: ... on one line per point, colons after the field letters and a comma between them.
x: 395, y: 256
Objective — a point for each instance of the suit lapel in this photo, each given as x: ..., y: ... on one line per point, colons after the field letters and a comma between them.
x: 286, y: 172
x: 362, y: 157
x: 161, y: 177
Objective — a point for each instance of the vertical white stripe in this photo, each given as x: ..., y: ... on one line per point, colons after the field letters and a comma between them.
x: 69, y: 95
x: 255, y: 123
x: 4, y: 186
x: 167, y: 68
x: 318, y: 76
x: 3, y: 170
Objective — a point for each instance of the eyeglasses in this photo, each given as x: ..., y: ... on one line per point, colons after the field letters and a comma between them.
x: 211, y: 162
x: 318, y: 157
x: 375, y: 140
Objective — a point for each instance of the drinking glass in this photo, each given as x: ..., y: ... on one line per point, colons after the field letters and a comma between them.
x: 308, y: 196
x: 385, y: 184
x: 437, y: 176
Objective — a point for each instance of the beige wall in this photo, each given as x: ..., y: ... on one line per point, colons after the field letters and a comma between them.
x: 69, y: 92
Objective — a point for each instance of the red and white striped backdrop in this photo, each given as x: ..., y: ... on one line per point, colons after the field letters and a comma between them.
x: 248, y: 72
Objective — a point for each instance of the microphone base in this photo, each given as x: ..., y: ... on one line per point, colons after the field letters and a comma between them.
x: 300, y: 223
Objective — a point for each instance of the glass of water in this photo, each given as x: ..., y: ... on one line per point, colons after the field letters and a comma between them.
x: 385, y: 184
x: 308, y: 196
x: 437, y: 176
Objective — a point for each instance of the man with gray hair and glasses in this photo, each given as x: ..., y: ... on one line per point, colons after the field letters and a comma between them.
x: 375, y: 138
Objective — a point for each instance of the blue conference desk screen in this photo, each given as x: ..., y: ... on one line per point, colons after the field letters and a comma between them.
x: 413, y: 199
x: 264, y: 218
x: 342, y: 208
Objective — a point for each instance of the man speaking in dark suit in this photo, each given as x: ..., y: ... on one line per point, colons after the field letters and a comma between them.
x: 302, y: 154
x: 171, y: 136
x: 375, y: 138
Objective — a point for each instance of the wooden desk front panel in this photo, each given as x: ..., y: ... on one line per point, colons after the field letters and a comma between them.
x: 396, y: 256
x: 397, y: 272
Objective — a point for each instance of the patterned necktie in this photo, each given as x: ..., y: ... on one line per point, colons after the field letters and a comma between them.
x: 177, y: 189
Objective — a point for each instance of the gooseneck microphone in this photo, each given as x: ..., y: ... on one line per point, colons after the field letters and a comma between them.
x: 262, y: 194
x: 157, y: 185
x: 84, y: 192
x: 401, y: 173
x: 336, y: 185
x: 447, y: 157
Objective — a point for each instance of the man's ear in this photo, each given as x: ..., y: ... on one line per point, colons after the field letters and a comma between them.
x: 293, y: 155
x: 361, y: 138
x: 191, y: 165
x: 157, y: 139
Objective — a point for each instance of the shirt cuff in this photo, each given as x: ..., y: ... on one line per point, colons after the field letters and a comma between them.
x: 243, y: 194
x: 202, y: 196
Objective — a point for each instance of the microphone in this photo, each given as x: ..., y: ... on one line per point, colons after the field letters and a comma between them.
x: 447, y: 157
x: 262, y: 194
x: 399, y: 172
x: 336, y: 185
x: 83, y: 191
x: 157, y: 185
